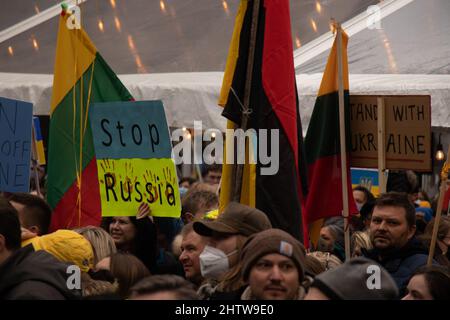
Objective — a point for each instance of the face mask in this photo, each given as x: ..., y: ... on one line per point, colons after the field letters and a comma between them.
x: 359, y: 206
x: 214, y: 262
x: 183, y: 191
x: 323, y: 246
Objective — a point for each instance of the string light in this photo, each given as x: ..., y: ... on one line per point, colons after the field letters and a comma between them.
x: 113, y: 3
x: 35, y: 44
x: 100, y: 25
x: 297, y: 42
x: 314, y: 26
x: 162, y: 5
x: 36, y: 8
x: 440, y: 155
x: 225, y: 7
x: 131, y: 43
x: 213, y: 134
x: 184, y: 129
x: 117, y: 23
x: 10, y: 51
x: 318, y: 7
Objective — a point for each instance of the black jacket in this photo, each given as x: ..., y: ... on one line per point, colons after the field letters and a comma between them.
x: 402, y: 263
x: 34, y: 275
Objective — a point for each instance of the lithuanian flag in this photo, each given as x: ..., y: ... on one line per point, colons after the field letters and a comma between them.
x: 274, y: 106
x: 81, y: 77
x: 322, y: 143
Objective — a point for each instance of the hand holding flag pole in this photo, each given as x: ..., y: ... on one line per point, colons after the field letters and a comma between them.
x: 444, y: 177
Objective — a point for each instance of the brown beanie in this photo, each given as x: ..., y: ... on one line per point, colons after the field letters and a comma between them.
x: 272, y: 241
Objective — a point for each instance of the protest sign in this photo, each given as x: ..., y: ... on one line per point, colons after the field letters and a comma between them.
x: 407, y: 132
x: 367, y: 178
x: 15, y: 145
x: 134, y: 164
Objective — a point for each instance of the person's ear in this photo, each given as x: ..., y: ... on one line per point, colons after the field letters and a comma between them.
x: 412, y: 231
x: 35, y: 229
x: 189, y: 217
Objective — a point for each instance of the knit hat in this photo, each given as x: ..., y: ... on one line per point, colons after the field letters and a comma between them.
x: 350, y: 281
x: 66, y: 246
x: 235, y: 219
x: 272, y: 241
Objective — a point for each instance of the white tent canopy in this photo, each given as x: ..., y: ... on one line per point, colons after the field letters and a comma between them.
x: 193, y: 96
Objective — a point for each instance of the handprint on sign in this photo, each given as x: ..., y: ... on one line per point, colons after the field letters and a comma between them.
x: 108, y: 168
x: 130, y: 178
x: 170, y: 182
x: 151, y: 179
x: 366, y: 182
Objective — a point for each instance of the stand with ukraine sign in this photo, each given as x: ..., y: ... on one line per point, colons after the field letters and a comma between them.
x: 133, y: 152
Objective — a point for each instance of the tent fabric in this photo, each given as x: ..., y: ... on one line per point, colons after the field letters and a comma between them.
x: 193, y: 96
x: 412, y: 40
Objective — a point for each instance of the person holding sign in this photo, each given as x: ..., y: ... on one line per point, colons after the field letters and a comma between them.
x: 135, y: 235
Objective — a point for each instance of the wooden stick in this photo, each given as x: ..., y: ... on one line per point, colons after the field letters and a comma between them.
x: 381, y: 145
x: 345, y: 211
x: 34, y: 160
x: 437, y: 219
x: 238, y: 169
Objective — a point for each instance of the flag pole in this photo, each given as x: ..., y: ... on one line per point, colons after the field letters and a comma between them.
x: 238, y: 169
x: 444, y: 177
x: 34, y: 160
x: 345, y: 211
x: 381, y: 145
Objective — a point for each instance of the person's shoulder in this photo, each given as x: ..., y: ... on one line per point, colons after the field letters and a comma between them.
x: 34, y: 290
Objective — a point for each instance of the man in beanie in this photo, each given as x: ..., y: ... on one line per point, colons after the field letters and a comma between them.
x: 226, y: 237
x: 356, y: 279
x: 273, y: 264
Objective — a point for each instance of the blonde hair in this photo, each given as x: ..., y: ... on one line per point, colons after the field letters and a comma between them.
x: 91, y: 287
x: 102, y: 243
x: 328, y: 260
x: 360, y: 239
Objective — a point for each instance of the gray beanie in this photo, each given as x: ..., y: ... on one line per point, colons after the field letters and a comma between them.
x: 350, y: 281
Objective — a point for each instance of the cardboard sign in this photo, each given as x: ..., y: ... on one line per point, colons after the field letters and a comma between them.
x: 407, y: 132
x: 367, y: 178
x: 134, y: 164
x: 15, y: 145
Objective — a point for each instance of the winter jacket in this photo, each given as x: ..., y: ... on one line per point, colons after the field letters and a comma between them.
x: 35, y: 275
x: 401, y: 263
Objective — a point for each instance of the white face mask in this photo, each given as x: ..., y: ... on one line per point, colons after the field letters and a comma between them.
x: 214, y: 262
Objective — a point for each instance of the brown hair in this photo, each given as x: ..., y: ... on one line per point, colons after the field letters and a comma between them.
x: 181, y: 288
x: 313, y: 266
x: 399, y: 200
x: 91, y: 287
x: 443, y: 229
x: 128, y: 270
x: 195, y: 200
x: 37, y: 211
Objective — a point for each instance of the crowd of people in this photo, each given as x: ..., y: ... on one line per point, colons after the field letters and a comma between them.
x: 234, y: 255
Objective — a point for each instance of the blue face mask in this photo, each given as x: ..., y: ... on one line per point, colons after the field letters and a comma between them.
x: 183, y: 191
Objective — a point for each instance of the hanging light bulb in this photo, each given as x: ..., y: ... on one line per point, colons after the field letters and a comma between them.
x: 440, y: 155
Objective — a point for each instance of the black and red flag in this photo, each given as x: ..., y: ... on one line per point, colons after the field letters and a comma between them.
x: 273, y: 105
